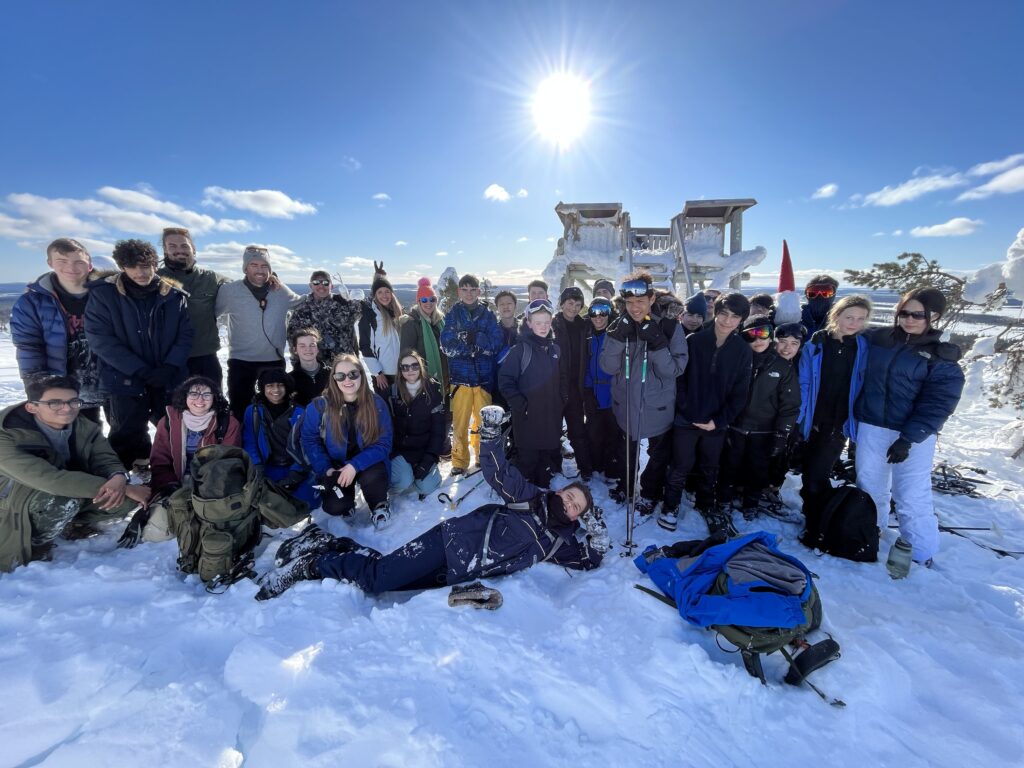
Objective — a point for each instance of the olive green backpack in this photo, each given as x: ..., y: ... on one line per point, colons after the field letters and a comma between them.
x: 218, y: 513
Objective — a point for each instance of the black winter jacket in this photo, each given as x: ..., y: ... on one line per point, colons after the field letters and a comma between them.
x: 307, y: 387
x: 537, y: 395
x: 419, y: 427
x: 774, y: 401
x: 572, y: 341
x: 716, y: 381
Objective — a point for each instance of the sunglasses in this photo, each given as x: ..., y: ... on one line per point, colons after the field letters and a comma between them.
x: 599, y: 310
x: 352, y: 375
x: 820, y: 292
x: 540, y: 305
x: 754, y: 334
x: 907, y: 314
x: 635, y: 288
x: 409, y: 366
x: 429, y: 300
x: 55, y: 405
x: 319, y: 282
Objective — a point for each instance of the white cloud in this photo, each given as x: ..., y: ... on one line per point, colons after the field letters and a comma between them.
x: 227, y: 258
x: 879, y: 234
x: 551, y: 239
x: 422, y: 266
x: 1005, y: 183
x: 522, y: 193
x: 498, y: 193
x: 270, y: 203
x: 953, y: 228
x: 825, y: 191
x: 913, y: 189
x: 441, y: 253
x: 522, y: 239
x: 996, y: 166
x: 350, y: 164
x: 897, y: 232
x: 356, y: 261
x: 400, y: 243
x: 382, y: 197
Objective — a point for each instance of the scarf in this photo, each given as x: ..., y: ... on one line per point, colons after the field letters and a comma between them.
x: 431, y: 350
x: 197, y: 423
x: 414, y: 388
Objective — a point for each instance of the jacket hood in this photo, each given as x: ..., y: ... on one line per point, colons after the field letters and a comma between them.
x: 116, y: 279
x: 16, y: 417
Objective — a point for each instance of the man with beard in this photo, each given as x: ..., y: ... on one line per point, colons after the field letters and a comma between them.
x: 334, y: 316
x: 201, y: 286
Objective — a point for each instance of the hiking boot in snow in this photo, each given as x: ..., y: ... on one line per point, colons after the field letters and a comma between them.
x: 475, y: 595
x: 618, y: 494
x: 645, y: 506
x: 312, y: 538
x: 772, y: 497
x: 381, y: 516
x: 668, y: 519
x: 43, y: 553
x: 717, y: 520
x: 277, y: 581
x: 456, y: 471
x: 750, y: 513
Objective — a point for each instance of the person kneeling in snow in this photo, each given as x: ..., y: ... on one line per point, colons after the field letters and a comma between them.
x: 496, y: 539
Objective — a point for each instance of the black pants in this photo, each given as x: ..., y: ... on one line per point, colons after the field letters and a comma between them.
x: 603, y: 437
x: 745, y: 465
x: 242, y: 376
x: 130, y: 417
x: 208, y: 366
x: 822, y: 449
x: 373, y: 481
x: 538, y: 464
x: 575, y: 426
x: 659, y: 457
x: 419, y: 564
x: 694, y: 447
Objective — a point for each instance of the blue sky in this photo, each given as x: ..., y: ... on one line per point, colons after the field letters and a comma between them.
x: 339, y: 133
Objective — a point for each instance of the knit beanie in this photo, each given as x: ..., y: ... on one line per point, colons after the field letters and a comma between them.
x: 255, y: 253
x: 379, y: 281
x: 572, y: 292
x: 275, y: 376
x: 607, y: 285
x: 697, y: 304
x: 425, y: 290
x: 757, y: 321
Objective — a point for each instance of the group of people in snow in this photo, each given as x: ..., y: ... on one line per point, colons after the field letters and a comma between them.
x: 328, y: 394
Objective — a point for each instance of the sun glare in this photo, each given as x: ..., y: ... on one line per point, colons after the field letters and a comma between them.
x: 561, y: 108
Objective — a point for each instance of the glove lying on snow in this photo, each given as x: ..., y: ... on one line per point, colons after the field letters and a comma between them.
x: 475, y: 595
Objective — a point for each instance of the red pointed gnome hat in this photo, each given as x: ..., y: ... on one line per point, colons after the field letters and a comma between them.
x: 786, y: 281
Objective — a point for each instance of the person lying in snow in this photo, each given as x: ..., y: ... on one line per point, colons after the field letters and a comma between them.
x: 496, y: 539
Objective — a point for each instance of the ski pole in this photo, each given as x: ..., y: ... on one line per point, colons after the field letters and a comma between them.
x: 629, y: 544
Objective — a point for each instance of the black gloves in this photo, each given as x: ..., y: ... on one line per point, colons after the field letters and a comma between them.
x: 650, y: 331
x: 898, y: 451
x: 292, y: 480
x: 779, y: 446
x: 623, y: 328
x: 133, y: 533
x: 422, y: 468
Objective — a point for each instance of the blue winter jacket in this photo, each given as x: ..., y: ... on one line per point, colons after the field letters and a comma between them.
x: 496, y: 539
x: 324, y: 452
x: 913, y: 384
x: 257, y: 445
x: 39, y: 330
x: 471, y: 365
x: 751, y: 604
x: 593, y: 377
x: 126, y: 345
x: 810, y: 383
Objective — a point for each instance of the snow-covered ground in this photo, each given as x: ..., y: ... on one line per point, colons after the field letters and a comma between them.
x: 110, y: 658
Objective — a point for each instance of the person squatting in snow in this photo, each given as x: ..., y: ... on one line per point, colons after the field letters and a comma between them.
x: 533, y: 526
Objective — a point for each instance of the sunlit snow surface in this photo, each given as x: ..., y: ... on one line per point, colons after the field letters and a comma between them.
x: 110, y: 658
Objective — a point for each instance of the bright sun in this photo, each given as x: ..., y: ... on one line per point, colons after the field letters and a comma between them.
x: 561, y: 108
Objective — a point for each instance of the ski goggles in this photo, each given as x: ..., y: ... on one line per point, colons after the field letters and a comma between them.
x: 632, y: 288
x: 820, y: 291
x: 906, y: 314
x: 757, y: 333
x: 600, y: 308
x: 540, y: 305
x: 352, y: 375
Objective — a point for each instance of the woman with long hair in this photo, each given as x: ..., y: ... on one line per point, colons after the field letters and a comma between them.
x: 421, y: 332
x: 346, y: 438
x: 266, y: 434
x: 832, y: 367
x: 379, y: 340
x: 913, y: 384
x: 419, y: 427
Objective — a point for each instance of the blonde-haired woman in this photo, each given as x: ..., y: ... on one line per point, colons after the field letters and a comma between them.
x: 420, y: 427
x: 346, y: 436
x: 832, y: 366
x: 379, y: 335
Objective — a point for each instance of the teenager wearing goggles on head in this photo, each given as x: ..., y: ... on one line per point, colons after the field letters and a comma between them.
x: 821, y: 295
x: 651, y: 398
x: 832, y: 367
x: 534, y: 380
x: 711, y: 393
x: 334, y: 317
x: 571, y: 334
x: 912, y: 386
x: 761, y: 431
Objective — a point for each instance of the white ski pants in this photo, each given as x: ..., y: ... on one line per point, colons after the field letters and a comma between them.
x: 909, y: 483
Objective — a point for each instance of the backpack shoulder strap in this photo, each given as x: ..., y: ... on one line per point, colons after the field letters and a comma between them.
x: 524, y: 360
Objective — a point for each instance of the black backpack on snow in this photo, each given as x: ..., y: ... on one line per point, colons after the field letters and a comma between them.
x: 847, y: 527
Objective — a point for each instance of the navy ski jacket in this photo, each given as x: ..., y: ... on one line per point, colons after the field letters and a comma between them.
x: 39, y: 330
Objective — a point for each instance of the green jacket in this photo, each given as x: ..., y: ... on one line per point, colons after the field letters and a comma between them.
x: 201, y: 286
x: 27, y: 465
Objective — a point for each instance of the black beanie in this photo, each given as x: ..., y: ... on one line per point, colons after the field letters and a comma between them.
x: 275, y: 376
x: 380, y: 281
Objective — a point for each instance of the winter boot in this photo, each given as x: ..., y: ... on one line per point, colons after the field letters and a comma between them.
x: 275, y: 582
x: 475, y: 595
x: 312, y: 538
x: 717, y: 520
x: 381, y: 516
x: 645, y: 506
x: 750, y: 513
x: 618, y: 494
x: 668, y: 518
